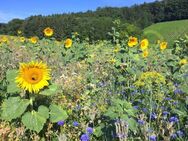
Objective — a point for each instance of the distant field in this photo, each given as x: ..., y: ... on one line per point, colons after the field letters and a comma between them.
x: 168, y: 31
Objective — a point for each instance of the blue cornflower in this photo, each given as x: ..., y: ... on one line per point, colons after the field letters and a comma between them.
x: 165, y: 113
x: 84, y: 137
x: 168, y: 98
x: 173, y: 119
x: 141, y: 122
x: 178, y: 91
x: 173, y: 136
x: 61, y: 123
x: 145, y: 110
x: 153, y: 116
x: 75, y: 123
x: 89, y: 130
x: 152, y: 138
x: 136, y: 107
x: 180, y: 133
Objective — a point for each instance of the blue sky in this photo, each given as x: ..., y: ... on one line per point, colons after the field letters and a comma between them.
x: 10, y: 9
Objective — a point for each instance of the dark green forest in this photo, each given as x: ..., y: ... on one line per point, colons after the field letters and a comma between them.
x: 95, y: 25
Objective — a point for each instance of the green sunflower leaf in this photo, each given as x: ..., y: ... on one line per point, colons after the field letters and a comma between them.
x: 57, y: 113
x: 13, y: 108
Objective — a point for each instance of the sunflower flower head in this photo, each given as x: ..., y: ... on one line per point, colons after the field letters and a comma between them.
x: 33, y: 76
x: 145, y: 53
x: 68, y: 43
x: 144, y: 44
x: 132, y: 41
x: 183, y: 61
x: 48, y: 32
x: 163, y: 45
x: 33, y: 40
x: 22, y: 39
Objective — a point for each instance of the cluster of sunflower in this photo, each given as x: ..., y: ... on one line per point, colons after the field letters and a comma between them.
x: 133, y: 41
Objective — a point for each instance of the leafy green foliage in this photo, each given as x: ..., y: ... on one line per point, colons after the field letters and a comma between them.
x: 36, y: 120
x: 57, y: 113
x: 13, y: 108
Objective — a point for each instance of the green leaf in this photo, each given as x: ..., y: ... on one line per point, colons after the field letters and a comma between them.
x: 57, y: 113
x: 98, y: 130
x: 132, y: 124
x: 11, y: 75
x: 12, y: 86
x: 13, y: 108
x: 33, y: 121
x: 43, y: 111
x: 52, y: 89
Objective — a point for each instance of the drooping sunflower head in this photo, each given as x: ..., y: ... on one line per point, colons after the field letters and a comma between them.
x: 33, y: 76
x: 48, y: 31
x: 68, y: 43
x: 163, y: 45
x: 33, y: 40
x: 132, y: 41
x: 144, y: 44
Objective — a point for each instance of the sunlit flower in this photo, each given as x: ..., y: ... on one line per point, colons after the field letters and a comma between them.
x: 144, y: 44
x: 19, y: 32
x: 117, y: 49
x: 33, y: 40
x: 48, y: 31
x: 4, y: 39
x: 132, y: 41
x: 33, y: 76
x: 22, y: 39
x: 163, y: 45
x: 68, y: 43
x: 183, y: 61
x: 112, y: 61
x: 145, y: 53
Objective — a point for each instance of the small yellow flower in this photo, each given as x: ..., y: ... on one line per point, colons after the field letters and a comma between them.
x: 116, y: 49
x: 4, y: 39
x: 183, y: 61
x: 112, y: 61
x: 145, y: 53
x: 158, y: 41
x: 33, y: 40
x: 76, y: 33
x: 22, y: 39
x: 144, y: 44
x: 68, y: 43
x: 33, y: 76
x: 163, y: 45
x: 132, y: 41
x: 19, y: 32
x: 48, y: 31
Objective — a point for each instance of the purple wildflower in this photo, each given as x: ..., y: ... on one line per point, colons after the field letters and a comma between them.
x: 75, y: 123
x: 173, y: 119
x: 152, y: 138
x: 141, y: 122
x: 89, y: 130
x: 180, y: 133
x: 84, y: 137
x: 61, y: 123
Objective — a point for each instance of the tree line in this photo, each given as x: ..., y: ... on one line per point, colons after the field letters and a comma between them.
x: 96, y: 24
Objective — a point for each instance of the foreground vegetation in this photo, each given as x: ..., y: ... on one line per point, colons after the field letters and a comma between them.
x: 124, y: 89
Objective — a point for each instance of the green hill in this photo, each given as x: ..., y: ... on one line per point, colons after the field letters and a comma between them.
x: 168, y: 31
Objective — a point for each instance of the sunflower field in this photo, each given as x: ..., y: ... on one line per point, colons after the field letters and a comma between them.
x: 73, y: 90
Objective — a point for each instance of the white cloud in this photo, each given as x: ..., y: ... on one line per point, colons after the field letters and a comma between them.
x: 6, y: 17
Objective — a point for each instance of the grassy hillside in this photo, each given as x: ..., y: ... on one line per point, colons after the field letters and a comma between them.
x: 168, y: 31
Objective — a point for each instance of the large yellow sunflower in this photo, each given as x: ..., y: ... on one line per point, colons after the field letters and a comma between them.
x: 132, y: 41
x: 163, y: 45
x: 144, y: 44
x: 48, y: 31
x: 68, y: 43
x: 33, y: 76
